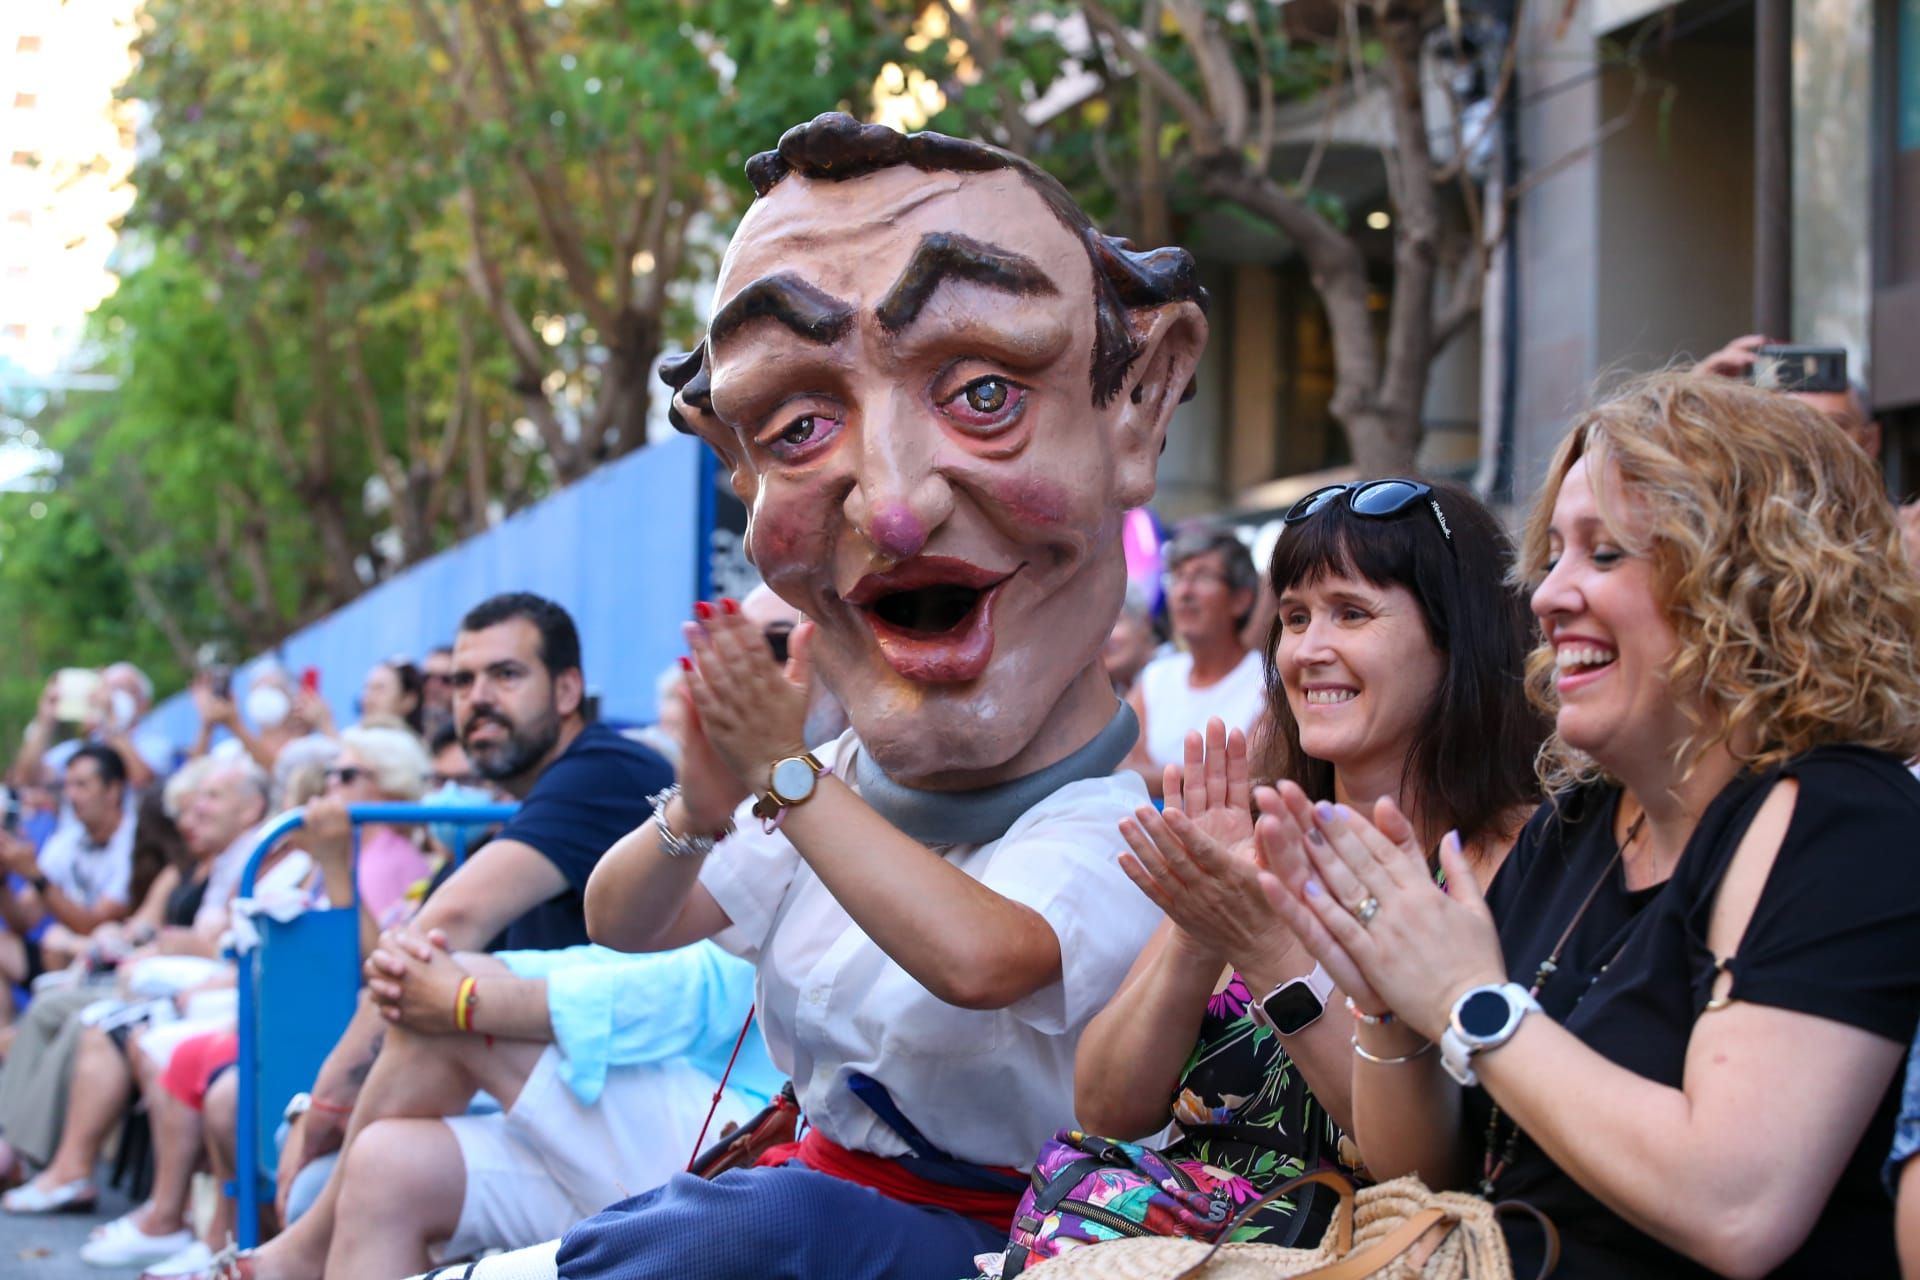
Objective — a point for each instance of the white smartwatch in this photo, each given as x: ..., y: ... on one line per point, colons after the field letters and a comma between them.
x: 1484, y: 1018
x: 1293, y: 1006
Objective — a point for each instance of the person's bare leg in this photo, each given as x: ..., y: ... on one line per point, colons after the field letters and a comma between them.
x: 414, y: 1077
x: 96, y: 1099
x: 220, y: 1123
x: 177, y: 1130
x: 404, y: 1187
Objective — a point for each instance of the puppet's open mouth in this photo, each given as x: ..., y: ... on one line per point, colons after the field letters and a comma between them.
x: 932, y: 616
x: 928, y: 611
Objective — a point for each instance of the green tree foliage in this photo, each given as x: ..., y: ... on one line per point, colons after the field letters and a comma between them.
x: 395, y: 268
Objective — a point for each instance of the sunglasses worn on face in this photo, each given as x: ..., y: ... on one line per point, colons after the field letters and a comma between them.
x: 346, y: 776
x: 1374, y: 499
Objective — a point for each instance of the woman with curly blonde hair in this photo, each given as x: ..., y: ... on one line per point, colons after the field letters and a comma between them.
x: 1676, y: 1015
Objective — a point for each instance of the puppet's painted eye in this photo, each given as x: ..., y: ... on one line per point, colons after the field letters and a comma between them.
x: 987, y: 404
x: 804, y: 436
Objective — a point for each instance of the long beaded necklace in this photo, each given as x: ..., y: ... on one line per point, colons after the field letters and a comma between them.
x: 1492, y: 1165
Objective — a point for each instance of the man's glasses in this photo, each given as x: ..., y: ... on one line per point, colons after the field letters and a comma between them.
x: 1373, y: 499
x: 454, y: 779
x: 1192, y: 578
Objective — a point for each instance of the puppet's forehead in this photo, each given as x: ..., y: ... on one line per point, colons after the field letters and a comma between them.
x: 852, y: 238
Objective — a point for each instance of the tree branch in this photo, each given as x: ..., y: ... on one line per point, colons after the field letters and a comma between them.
x: 1201, y: 126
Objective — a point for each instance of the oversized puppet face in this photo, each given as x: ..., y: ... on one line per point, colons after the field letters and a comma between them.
x: 901, y: 369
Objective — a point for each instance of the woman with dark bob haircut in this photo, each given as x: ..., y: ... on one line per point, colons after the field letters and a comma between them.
x: 1395, y: 677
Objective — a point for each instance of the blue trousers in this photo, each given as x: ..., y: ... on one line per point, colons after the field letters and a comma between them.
x: 785, y: 1223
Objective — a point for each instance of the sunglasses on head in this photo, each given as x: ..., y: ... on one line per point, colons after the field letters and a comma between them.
x: 1373, y: 499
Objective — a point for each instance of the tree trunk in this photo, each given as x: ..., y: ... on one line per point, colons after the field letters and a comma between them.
x: 626, y: 391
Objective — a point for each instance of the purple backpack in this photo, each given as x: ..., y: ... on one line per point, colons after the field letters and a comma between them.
x: 1086, y: 1189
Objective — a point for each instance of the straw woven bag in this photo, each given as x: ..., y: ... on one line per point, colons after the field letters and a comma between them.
x: 1398, y: 1230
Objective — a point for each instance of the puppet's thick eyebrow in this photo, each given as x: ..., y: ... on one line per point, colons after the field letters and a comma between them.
x: 941, y: 255
x: 813, y: 314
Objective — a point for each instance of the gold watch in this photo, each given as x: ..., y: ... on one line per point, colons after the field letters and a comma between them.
x: 792, y: 781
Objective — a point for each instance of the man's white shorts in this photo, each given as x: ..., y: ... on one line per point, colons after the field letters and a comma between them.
x: 547, y: 1162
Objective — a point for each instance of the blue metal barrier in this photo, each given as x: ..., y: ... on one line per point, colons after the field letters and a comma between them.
x: 308, y: 992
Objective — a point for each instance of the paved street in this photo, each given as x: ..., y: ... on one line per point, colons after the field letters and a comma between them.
x: 49, y: 1248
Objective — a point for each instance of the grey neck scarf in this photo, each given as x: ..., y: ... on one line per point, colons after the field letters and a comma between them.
x: 977, y: 817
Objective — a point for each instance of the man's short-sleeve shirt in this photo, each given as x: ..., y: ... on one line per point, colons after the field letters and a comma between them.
x: 595, y: 793
x: 90, y: 872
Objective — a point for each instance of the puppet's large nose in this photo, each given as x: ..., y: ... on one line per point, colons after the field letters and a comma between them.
x: 900, y: 496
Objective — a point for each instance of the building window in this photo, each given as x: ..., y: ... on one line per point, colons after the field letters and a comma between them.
x: 27, y: 44
x: 23, y: 158
x: 17, y: 332
x: 24, y: 101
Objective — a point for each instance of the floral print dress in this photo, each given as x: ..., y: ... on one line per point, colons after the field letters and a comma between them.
x: 1243, y: 1108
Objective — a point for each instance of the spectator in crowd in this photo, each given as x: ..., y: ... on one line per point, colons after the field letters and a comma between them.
x: 272, y: 719
x: 1211, y: 584
x: 65, y: 1083
x: 518, y: 688
x: 116, y: 719
x: 1396, y: 669
x: 394, y: 691
x: 83, y: 877
x: 376, y: 765
x: 606, y: 1065
x: 958, y: 559
x: 1723, y: 869
x: 666, y: 733
x: 1131, y: 643
x: 1850, y: 410
x: 436, y: 691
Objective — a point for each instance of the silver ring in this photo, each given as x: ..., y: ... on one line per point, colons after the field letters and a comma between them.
x: 1369, y: 908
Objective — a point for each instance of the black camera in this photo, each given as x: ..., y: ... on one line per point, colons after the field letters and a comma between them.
x: 1789, y: 368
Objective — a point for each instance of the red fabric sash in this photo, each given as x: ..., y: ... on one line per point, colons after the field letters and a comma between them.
x: 890, y: 1179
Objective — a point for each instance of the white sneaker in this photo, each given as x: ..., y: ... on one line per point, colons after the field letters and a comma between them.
x: 125, y: 1245
x: 195, y: 1257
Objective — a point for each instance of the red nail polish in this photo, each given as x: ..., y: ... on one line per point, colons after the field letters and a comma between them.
x: 732, y: 605
x: 702, y: 610
x: 686, y: 664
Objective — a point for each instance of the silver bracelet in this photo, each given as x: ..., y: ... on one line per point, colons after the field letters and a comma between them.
x: 1402, y: 1060
x: 672, y: 843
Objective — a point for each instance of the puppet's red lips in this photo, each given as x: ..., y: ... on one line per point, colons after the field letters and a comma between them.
x: 932, y: 617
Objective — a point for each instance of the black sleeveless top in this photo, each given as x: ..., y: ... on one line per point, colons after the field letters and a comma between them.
x: 183, y: 904
x: 1835, y: 934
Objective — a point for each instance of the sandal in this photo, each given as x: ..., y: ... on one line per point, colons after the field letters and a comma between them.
x: 231, y: 1263
x: 73, y: 1197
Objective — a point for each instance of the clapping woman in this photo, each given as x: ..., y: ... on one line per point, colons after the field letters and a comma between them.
x: 1677, y: 1014
x: 1394, y: 669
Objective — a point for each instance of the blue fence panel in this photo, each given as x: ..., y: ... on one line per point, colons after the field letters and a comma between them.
x: 623, y: 550
x: 298, y: 987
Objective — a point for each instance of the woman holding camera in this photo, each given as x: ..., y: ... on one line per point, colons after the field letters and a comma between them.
x: 1676, y: 1016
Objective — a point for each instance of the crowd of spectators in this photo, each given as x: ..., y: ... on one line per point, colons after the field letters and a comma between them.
x: 1521, y: 890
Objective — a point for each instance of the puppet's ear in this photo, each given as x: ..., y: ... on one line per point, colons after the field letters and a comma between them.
x: 1169, y: 340
x: 692, y: 412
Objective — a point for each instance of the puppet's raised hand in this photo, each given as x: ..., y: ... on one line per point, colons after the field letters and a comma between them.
x: 751, y: 710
